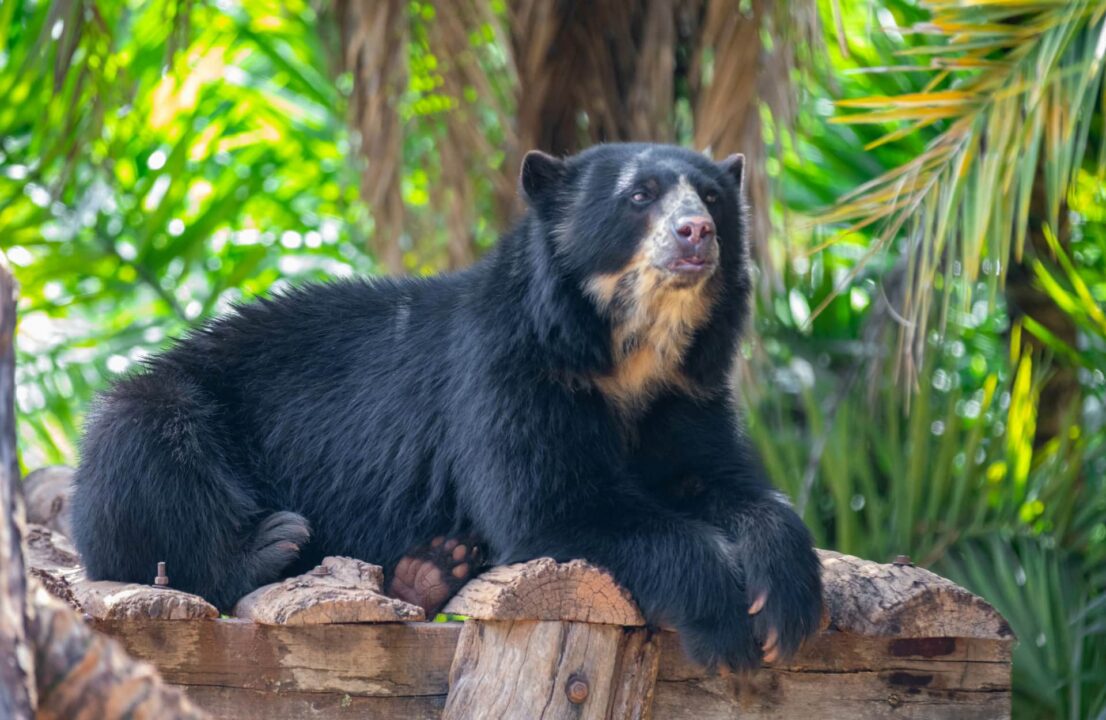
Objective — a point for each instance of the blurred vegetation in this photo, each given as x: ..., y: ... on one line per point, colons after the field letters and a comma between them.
x: 930, y: 179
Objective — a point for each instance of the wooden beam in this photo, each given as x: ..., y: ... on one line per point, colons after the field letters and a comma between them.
x: 393, y: 660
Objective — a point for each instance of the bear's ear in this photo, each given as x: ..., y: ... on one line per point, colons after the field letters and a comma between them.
x: 540, y: 174
x: 735, y: 166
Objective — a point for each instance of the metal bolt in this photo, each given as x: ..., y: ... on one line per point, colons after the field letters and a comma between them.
x: 320, y: 571
x: 162, y: 579
x: 577, y: 689
x: 902, y: 560
x: 894, y: 700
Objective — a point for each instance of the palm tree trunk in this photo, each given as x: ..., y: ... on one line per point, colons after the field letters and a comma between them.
x: 374, y: 49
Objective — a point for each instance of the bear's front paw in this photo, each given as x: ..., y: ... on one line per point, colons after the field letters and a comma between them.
x: 725, y: 642
x: 784, y: 596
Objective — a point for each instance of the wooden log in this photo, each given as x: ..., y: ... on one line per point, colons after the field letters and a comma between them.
x: 54, y: 560
x: 340, y: 590
x: 550, y: 640
x: 104, y: 600
x: 901, y: 600
x: 48, y: 491
x: 544, y: 589
x: 546, y: 669
x: 82, y: 675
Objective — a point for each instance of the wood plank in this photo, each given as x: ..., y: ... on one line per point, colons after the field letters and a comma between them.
x: 82, y: 675
x: 372, y: 660
x: 974, y: 662
x: 845, y: 675
x: 239, y: 703
x: 858, y: 696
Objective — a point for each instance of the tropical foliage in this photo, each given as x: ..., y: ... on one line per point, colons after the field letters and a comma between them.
x: 929, y: 192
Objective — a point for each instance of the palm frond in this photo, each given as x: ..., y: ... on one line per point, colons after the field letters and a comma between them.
x: 1016, y: 86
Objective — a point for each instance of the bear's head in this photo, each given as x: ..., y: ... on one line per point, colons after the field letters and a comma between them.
x: 653, y: 236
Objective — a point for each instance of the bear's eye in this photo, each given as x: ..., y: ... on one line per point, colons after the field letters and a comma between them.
x: 711, y: 197
x: 641, y: 197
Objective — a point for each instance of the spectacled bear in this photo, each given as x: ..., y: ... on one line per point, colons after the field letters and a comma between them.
x: 567, y: 396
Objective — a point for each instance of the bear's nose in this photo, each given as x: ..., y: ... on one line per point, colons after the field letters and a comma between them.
x: 694, y: 229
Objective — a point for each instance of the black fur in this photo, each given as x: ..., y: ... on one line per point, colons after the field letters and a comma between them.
x: 372, y: 415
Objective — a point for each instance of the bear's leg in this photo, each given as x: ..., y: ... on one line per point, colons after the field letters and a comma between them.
x: 431, y: 574
x: 156, y: 484
x: 689, y: 439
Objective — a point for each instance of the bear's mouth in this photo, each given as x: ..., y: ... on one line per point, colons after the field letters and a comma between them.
x: 691, y: 265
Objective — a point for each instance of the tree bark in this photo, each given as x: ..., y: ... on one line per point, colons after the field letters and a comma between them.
x: 374, y: 50
x: 17, y: 690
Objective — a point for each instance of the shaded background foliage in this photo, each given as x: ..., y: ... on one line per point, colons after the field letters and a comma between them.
x: 927, y: 190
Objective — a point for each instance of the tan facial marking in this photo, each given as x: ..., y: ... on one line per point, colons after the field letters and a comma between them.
x: 653, y: 324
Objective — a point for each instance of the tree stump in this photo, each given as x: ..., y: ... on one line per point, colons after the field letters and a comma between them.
x: 549, y: 640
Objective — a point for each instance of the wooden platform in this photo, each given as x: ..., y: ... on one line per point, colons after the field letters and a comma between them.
x: 544, y: 640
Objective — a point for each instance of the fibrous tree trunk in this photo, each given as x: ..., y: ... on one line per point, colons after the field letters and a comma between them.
x: 374, y: 50
x: 17, y: 690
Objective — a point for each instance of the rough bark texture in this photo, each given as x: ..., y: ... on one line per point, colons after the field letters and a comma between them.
x: 54, y: 561
x: 374, y: 50
x: 126, y: 601
x: 17, y: 691
x: 867, y: 598
x: 544, y: 589
x: 82, y: 675
x: 340, y: 590
x: 527, y: 669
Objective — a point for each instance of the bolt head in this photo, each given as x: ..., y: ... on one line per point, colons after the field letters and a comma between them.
x: 577, y: 690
